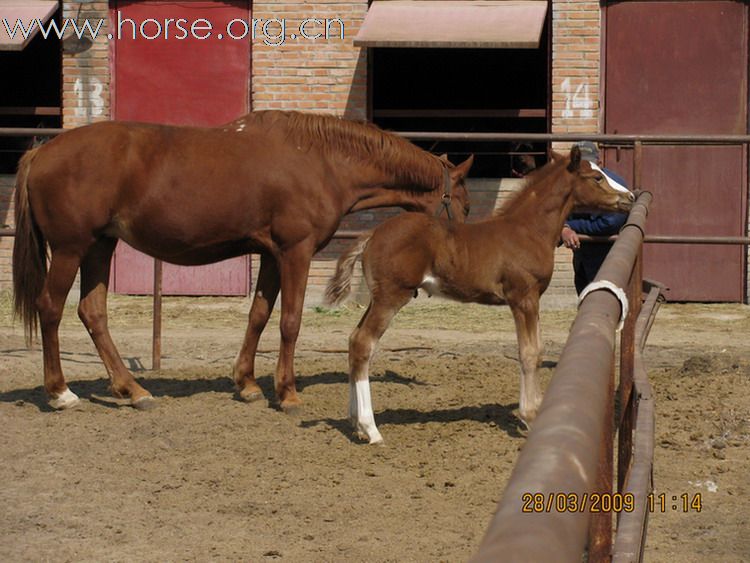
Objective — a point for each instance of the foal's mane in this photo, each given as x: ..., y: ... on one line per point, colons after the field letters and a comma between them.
x: 410, y: 165
x: 534, y: 182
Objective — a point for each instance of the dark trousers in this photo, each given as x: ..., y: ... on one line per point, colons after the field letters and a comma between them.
x: 586, y: 263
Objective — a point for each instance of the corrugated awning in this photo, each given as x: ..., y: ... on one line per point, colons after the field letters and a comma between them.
x: 498, y: 24
x: 19, y: 21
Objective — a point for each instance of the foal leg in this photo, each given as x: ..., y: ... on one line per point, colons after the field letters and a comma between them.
x: 362, y: 344
x: 50, y: 304
x: 294, y: 265
x: 526, y: 316
x: 266, y: 291
x: 92, y: 310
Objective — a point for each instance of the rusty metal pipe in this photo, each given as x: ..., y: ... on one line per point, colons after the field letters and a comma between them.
x: 490, y: 137
x: 30, y: 132
x: 562, y: 451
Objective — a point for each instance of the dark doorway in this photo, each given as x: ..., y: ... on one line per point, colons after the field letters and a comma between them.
x: 463, y: 90
x: 31, y: 93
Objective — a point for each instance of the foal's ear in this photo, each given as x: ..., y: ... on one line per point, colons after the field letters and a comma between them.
x: 575, y: 159
x: 444, y: 157
x: 555, y: 156
x: 462, y: 170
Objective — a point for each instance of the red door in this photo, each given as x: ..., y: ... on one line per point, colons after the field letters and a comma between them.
x: 167, y: 74
x: 681, y: 68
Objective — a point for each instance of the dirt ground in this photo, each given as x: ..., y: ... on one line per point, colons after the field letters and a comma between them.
x: 206, y: 477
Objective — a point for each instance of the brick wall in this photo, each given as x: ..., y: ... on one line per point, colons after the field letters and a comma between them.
x: 576, y: 54
x: 321, y: 75
x: 86, y: 76
x: 7, y: 183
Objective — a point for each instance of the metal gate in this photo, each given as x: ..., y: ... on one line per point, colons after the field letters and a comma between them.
x: 681, y: 68
x: 163, y: 77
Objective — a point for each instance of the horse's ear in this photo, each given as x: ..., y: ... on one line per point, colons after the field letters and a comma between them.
x: 463, y: 168
x: 444, y: 157
x: 575, y: 159
x: 555, y: 156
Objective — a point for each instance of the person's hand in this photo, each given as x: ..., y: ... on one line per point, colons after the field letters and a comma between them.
x: 570, y: 238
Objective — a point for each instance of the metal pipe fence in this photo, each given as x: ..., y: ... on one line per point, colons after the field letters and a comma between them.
x: 559, y: 499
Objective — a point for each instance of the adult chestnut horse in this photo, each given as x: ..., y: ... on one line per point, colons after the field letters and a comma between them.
x: 505, y: 259
x: 274, y: 183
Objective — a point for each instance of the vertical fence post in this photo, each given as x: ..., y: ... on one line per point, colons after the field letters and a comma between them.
x: 627, y: 369
x: 156, y: 341
x: 637, y: 165
x: 600, y: 525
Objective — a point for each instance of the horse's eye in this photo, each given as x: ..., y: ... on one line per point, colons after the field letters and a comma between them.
x: 599, y: 179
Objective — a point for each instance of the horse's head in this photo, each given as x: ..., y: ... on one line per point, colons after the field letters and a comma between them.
x: 593, y: 190
x: 455, y: 193
x: 522, y: 161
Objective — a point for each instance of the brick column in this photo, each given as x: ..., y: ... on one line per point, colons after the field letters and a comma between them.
x: 320, y: 75
x: 86, y: 75
x: 576, y: 100
x: 576, y: 64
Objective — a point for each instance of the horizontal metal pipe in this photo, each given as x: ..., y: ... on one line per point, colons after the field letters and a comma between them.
x: 574, y: 137
x: 489, y: 137
x: 7, y: 232
x: 30, y: 132
x: 562, y: 450
x: 678, y: 239
x: 673, y: 239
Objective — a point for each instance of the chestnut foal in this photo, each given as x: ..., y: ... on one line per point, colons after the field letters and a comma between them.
x: 505, y: 259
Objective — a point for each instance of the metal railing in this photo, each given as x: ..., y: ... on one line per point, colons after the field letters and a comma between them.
x: 567, y: 461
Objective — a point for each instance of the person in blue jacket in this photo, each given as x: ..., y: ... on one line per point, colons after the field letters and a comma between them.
x: 589, y: 256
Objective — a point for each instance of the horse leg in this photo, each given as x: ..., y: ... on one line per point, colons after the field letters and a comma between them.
x: 526, y: 316
x: 50, y: 304
x: 540, y: 355
x: 92, y: 310
x: 362, y: 344
x: 266, y: 291
x: 294, y: 265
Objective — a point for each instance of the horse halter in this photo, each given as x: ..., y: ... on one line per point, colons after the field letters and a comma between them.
x: 445, y: 200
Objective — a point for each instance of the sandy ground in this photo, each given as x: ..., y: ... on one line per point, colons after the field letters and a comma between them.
x: 206, y: 477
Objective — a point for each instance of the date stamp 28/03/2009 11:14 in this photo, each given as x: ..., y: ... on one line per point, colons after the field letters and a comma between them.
x: 609, y: 502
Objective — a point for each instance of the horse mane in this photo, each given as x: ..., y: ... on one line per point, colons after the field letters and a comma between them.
x: 531, y: 183
x: 408, y: 164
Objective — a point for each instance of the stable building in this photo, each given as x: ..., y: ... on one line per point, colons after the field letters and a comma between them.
x: 578, y: 67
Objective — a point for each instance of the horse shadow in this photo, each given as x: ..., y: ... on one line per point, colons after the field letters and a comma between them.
x: 98, y: 391
x: 501, y: 416
x: 331, y: 377
x: 134, y: 364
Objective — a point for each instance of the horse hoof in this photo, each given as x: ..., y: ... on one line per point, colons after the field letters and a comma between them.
x: 524, y: 426
x: 291, y: 407
x: 65, y: 400
x: 371, y: 439
x: 144, y: 403
x: 250, y: 395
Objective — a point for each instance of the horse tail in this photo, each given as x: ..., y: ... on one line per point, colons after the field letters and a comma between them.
x: 340, y: 285
x: 29, y: 252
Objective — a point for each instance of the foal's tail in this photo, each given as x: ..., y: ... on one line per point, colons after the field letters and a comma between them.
x: 340, y: 284
x: 29, y: 252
